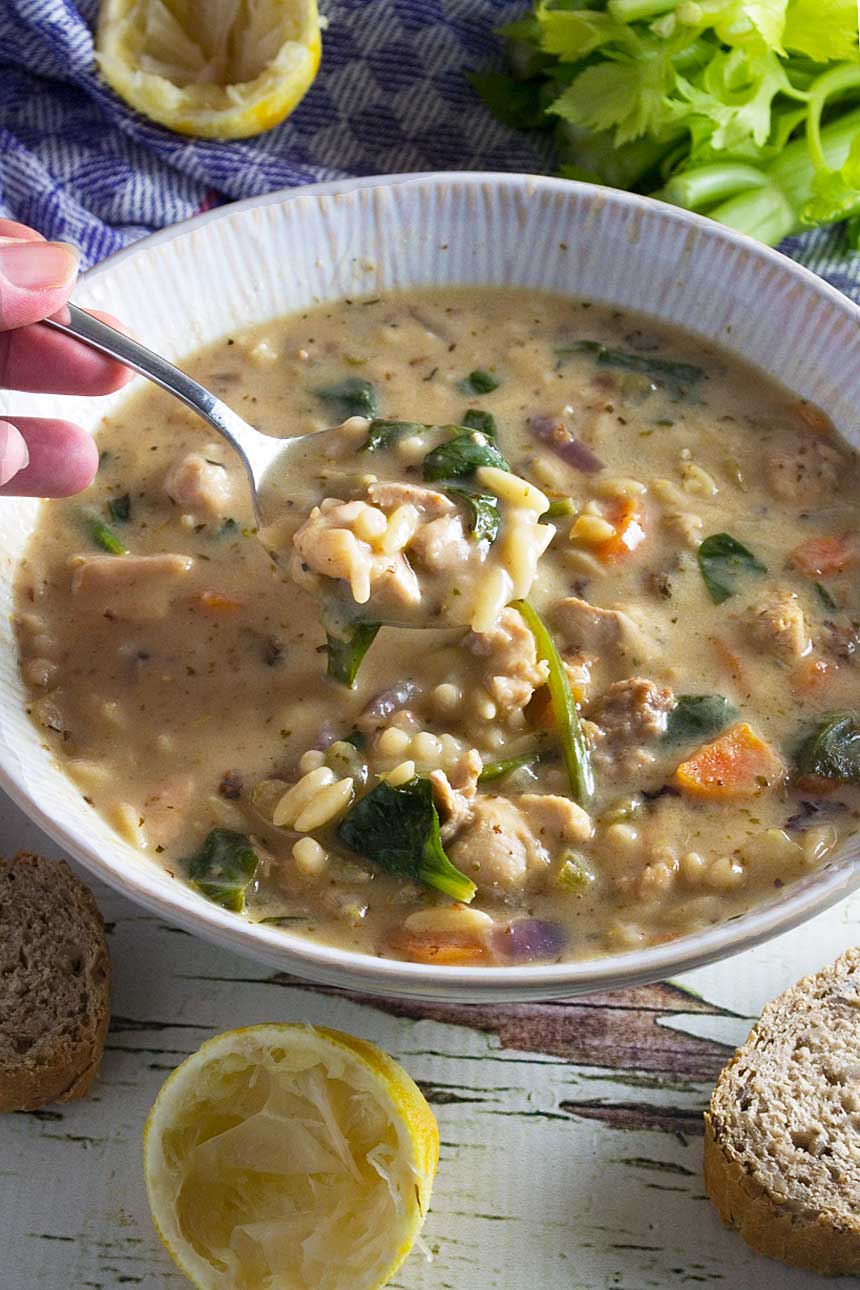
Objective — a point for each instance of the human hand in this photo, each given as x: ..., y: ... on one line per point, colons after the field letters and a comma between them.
x: 42, y: 457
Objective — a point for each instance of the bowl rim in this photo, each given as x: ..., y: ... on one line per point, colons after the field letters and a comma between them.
x: 330, y: 965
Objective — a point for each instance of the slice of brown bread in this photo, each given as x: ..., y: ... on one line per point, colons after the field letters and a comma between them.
x: 54, y: 984
x: 782, y: 1134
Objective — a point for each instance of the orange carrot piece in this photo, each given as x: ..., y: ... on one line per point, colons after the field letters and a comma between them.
x: 737, y: 764
x: 216, y: 604
x: 629, y: 531
x: 821, y: 556
x: 450, y: 952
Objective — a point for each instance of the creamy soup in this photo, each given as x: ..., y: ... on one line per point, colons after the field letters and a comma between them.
x: 622, y: 707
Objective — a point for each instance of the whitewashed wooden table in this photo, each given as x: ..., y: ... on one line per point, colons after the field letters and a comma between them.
x: 571, y: 1133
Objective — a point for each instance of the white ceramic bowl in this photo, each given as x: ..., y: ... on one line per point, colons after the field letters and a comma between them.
x: 242, y: 264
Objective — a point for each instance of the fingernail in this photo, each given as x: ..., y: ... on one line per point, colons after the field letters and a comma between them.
x: 14, y: 455
x: 38, y: 266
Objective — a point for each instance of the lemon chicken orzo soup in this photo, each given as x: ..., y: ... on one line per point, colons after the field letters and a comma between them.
x: 624, y: 703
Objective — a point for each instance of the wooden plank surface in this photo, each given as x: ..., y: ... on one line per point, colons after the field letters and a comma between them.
x: 571, y: 1132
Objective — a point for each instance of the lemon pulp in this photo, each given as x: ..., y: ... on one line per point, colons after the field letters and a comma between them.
x: 290, y: 1157
x: 221, y: 69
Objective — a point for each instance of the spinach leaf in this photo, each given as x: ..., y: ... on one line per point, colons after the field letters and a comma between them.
x: 227, y: 528
x: 680, y: 379
x: 698, y: 716
x: 484, y: 513
x: 383, y: 434
x: 461, y: 457
x: 224, y: 868
x: 826, y: 599
x: 398, y: 830
x: 102, y: 534
x: 574, y: 749
x: 352, y: 397
x: 832, y: 749
x: 478, y: 382
x: 346, y: 653
x: 119, y: 508
x: 722, y: 561
x: 475, y: 419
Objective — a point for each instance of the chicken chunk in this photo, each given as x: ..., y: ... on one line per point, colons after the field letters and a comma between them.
x: 200, y: 486
x: 130, y: 588
x: 454, y: 793
x: 628, y: 717
x: 441, y: 544
x: 498, y: 849
x: 555, y: 819
x: 633, y: 710
x: 809, y: 473
x: 777, y: 624
x: 506, y: 845
x: 593, y: 629
x: 512, y: 671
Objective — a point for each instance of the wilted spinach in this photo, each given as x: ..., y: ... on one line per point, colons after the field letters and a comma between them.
x: 723, y: 561
x: 224, y: 868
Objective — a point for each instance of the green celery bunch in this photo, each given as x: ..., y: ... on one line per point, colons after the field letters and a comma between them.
x: 744, y: 110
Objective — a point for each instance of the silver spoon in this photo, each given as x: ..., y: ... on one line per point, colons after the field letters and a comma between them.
x: 259, y: 453
x: 268, y: 461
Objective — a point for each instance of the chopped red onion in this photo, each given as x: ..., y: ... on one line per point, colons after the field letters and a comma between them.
x: 530, y: 940
x: 328, y: 732
x: 390, y: 700
x: 554, y: 433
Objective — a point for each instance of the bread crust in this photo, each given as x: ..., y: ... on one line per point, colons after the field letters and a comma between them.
x: 793, y: 1231
x: 69, y: 1058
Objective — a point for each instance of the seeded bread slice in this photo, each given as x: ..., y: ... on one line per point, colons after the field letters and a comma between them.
x: 782, y: 1134
x: 54, y: 984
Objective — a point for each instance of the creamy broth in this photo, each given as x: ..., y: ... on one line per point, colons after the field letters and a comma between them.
x: 694, y: 569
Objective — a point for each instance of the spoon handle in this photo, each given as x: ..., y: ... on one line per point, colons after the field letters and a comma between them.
x: 244, y: 438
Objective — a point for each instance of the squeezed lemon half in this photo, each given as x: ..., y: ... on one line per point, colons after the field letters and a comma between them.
x: 290, y: 1158
x: 220, y: 69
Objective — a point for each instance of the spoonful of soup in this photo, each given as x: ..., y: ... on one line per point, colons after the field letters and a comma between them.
x: 441, y: 535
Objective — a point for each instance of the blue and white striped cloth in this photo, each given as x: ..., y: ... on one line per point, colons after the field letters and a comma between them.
x: 391, y: 95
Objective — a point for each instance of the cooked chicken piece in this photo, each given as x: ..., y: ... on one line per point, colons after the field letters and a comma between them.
x: 130, y: 588
x: 777, y: 624
x: 633, y: 710
x: 555, y: 819
x: 591, y: 628
x: 497, y: 848
x: 454, y: 794
x: 809, y: 474
x: 506, y: 845
x: 200, y: 486
x: 512, y: 672
x: 441, y: 544
x: 389, y: 494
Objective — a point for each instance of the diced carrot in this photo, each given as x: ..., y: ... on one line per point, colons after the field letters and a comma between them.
x: 821, y: 556
x: 730, y: 661
x: 450, y: 952
x: 629, y: 533
x: 216, y: 604
x: 814, y: 673
x: 738, y: 764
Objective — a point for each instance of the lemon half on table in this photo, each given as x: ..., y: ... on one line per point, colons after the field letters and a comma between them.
x: 220, y: 69
x: 284, y: 1157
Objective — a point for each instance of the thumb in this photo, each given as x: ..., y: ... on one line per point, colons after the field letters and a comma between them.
x: 14, y: 454
x: 35, y: 279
